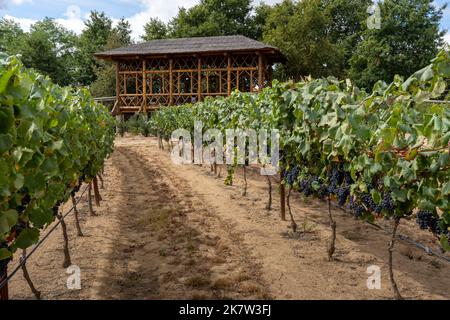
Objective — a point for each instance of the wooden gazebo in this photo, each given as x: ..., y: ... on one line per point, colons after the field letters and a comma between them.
x: 177, y: 71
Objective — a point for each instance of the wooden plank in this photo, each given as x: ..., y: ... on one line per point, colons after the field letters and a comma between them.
x: 171, y: 82
x: 118, y: 85
x: 229, y: 76
x: 144, y: 84
x: 199, y: 79
x: 260, y: 72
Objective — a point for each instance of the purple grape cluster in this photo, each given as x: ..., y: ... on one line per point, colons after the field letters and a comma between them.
x: 335, y: 178
x: 342, y: 194
x: 356, y: 208
x: 387, y: 203
x: 292, y: 175
x: 427, y: 220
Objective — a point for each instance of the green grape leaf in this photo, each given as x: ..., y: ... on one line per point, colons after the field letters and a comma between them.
x: 5, y: 254
x: 7, y: 220
x: 26, y: 238
x: 6, y: 142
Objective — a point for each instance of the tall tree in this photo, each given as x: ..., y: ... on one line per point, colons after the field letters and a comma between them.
x: 48, y: 47
x: 123, y: 32
x: 259, y: 19
x: 93, y: 39
x: 408, y: 39
x: 11, y: 36
x: 300, y: 30
x: 155, y: 29
x: 105, y: 75
x: 214, y: 18
x: 346, y: 19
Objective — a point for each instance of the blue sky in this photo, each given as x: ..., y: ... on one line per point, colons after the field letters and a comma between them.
x: 72, y: 13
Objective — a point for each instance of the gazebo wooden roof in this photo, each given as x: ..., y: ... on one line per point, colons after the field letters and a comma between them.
x: 176, y: 71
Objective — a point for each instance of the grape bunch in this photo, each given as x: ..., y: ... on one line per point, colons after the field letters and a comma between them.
x: 356, y: 208
x: 348, y: 178
x: 429, y: 221
x: 291, y: 176
x: 335, y: 178
x: 306, y: 186
x: 342, y: 194
x: 425, y: 219
x: 323, y: 192
x: 369, y: 203
x: 387, y: 203
x: 435, y: 227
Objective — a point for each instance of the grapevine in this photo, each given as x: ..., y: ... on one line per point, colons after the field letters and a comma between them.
x: 383, y: 154
x: 52, y: 139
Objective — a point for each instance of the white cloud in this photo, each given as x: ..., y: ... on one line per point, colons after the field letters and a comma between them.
x: 3, y: 3
x: 73, y: 12
x: 23, y: 22
x: 162, y: 9
x: 73, y: 20
x: 447, y: 37
x: 19, y: 2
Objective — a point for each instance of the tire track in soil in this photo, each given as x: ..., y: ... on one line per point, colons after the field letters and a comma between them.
x: 167, y: 248
x: 295, y: 267
x: 169, y: 232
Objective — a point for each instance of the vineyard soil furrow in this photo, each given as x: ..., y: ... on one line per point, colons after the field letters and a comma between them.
x: 166, y: 231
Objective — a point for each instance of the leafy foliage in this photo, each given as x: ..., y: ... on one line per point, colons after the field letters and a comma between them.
x: 385, y: 154
x: 409, y: 37
x: 51, y: 140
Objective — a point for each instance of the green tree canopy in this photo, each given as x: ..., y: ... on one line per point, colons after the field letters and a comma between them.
x: 11, y: 36
x: 300, y: 30
x: 104, y: 71
x: 213, y: 18
x: 155, y: 29
x: 93, y: 39
x: 48, y: 47
x: 408, y: 39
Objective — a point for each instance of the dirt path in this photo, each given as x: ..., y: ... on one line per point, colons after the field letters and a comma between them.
x: 166, y: 231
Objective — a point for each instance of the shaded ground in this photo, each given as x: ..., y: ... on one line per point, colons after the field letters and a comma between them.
x: 166, y: 231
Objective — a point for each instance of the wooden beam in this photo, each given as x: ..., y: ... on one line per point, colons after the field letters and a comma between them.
x: 144, y: 84
x: 260, y: 72
x: 229, y: 75
x: 118, y: 85
x: 199, y: 79
x: 171, y: 82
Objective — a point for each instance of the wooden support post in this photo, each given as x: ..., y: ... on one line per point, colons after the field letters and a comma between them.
x: 282, y: 198
x: 144, y: 84
x: 171, y: 82
x: 260, y: 72
x: 199, y: 79
x: 118, y: 85
x: 229, y: 75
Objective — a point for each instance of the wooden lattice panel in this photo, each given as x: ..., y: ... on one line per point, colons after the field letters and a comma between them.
x: 154, y: 82
x: 158, y: 100
x: 234, y: 78
x: 177, y: 100
x: 185, y: 63
x: 215, y: 62
x: 185, y: 82
x: 244, y: 61
x: 130, y: 66
x: 133, y: 83
x: 245, y: 81
x: 157, y: 64
x: 131, y: 100
x: 158, y: 83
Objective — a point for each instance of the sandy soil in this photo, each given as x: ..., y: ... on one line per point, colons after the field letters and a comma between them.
x: 177, y: 232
